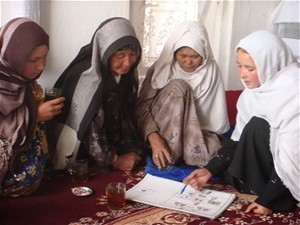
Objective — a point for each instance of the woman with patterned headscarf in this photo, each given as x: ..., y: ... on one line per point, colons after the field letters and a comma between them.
x: 100, y: 86
x: 181, y: 105
x: 23, y: 146
x: 265, y: 157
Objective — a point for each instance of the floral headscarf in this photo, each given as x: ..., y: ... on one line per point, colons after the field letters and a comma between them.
x: 18, y: 38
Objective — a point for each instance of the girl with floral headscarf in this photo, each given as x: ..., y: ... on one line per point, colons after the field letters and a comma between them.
x: 23, y: 146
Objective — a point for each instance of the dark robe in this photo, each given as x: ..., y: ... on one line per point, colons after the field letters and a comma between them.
x: 250, y: 167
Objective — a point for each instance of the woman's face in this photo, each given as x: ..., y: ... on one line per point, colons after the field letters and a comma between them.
x: 122, y: 60
x: 188, y: 59
x: 36, y: 62
x: 247, y: 69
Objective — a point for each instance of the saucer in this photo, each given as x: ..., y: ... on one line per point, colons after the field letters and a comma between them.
x: 81, y: 191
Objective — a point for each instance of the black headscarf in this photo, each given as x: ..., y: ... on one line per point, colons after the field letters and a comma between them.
x: 82, y: 81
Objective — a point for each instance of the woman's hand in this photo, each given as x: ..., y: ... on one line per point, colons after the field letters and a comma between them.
x: 47, y: 110
x: 198, y: 178
x: 258, y: 209
x: 126, y: 162
x: 160, y: 151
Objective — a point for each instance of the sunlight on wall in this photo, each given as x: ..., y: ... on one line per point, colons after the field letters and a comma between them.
x: 20, y: 8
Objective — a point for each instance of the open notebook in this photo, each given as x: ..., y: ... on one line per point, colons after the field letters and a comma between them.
x: 166, y: 193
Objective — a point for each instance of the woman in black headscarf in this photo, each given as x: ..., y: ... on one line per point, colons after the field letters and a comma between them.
x: 100, y: 86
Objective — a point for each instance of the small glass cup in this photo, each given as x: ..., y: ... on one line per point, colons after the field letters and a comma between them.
x: 52, y: 93
x: 79, y: 171
x: 115, y: 193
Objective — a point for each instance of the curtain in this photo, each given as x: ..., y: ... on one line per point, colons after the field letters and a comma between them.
x: 285, y: 22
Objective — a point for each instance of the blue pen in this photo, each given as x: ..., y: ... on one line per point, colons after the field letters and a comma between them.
x: 182, y: 190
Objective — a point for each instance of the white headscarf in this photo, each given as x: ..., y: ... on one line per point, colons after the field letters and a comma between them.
x: 276, y: 100
x: 206, y: 80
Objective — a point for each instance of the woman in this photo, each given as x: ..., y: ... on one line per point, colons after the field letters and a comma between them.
x: 264, y: 158
x: 23, y: 146
x: 100, y: 86
x: 181, y: 105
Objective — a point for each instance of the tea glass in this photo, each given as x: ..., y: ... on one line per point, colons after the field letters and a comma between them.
x: 115, y: 193
x: 79, y: 171
x: 52, y: 93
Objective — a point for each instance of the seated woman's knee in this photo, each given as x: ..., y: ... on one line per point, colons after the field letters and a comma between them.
x: 179, y: 87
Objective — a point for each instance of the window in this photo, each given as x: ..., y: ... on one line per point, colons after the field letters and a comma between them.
x: 155, y: 20
x: 161, y: 17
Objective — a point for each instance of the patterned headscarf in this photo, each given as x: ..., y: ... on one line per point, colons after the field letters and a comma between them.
x: 18, y: 38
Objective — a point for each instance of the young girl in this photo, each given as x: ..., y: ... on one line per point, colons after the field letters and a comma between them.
x: 264, y: 156
x: 23, y: 144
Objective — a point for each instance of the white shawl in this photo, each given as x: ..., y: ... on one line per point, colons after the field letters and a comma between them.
x: 276, y: 100
x: 206, y: 80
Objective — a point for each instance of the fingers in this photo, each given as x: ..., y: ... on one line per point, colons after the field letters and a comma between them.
x: 161, y: 156
x: 250, y: 208
x: 56, y: 105
x: 47, y: 110
x: 258, y: 209
x: 194, y: 175
x: 194, y: 183
x: 127, y: 162
x: 188, y: 179
x: 198, y: 178
x: 160, y: 151
x: 60, y: 100
x: 157, y: 159
x: 55, y: 110
x: 129, y: 166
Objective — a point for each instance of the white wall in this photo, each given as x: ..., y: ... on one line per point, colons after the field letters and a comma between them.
x: 71, y: 25
x: 248, y: 16
x: 229, y: 21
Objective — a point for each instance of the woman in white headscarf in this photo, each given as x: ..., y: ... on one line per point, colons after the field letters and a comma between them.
x: 265, y: 159
x: 181, y: 105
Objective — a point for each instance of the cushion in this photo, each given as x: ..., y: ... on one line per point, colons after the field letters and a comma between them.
x: 231, y: 100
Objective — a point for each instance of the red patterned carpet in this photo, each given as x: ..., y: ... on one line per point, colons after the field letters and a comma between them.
x: 54, y: 204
